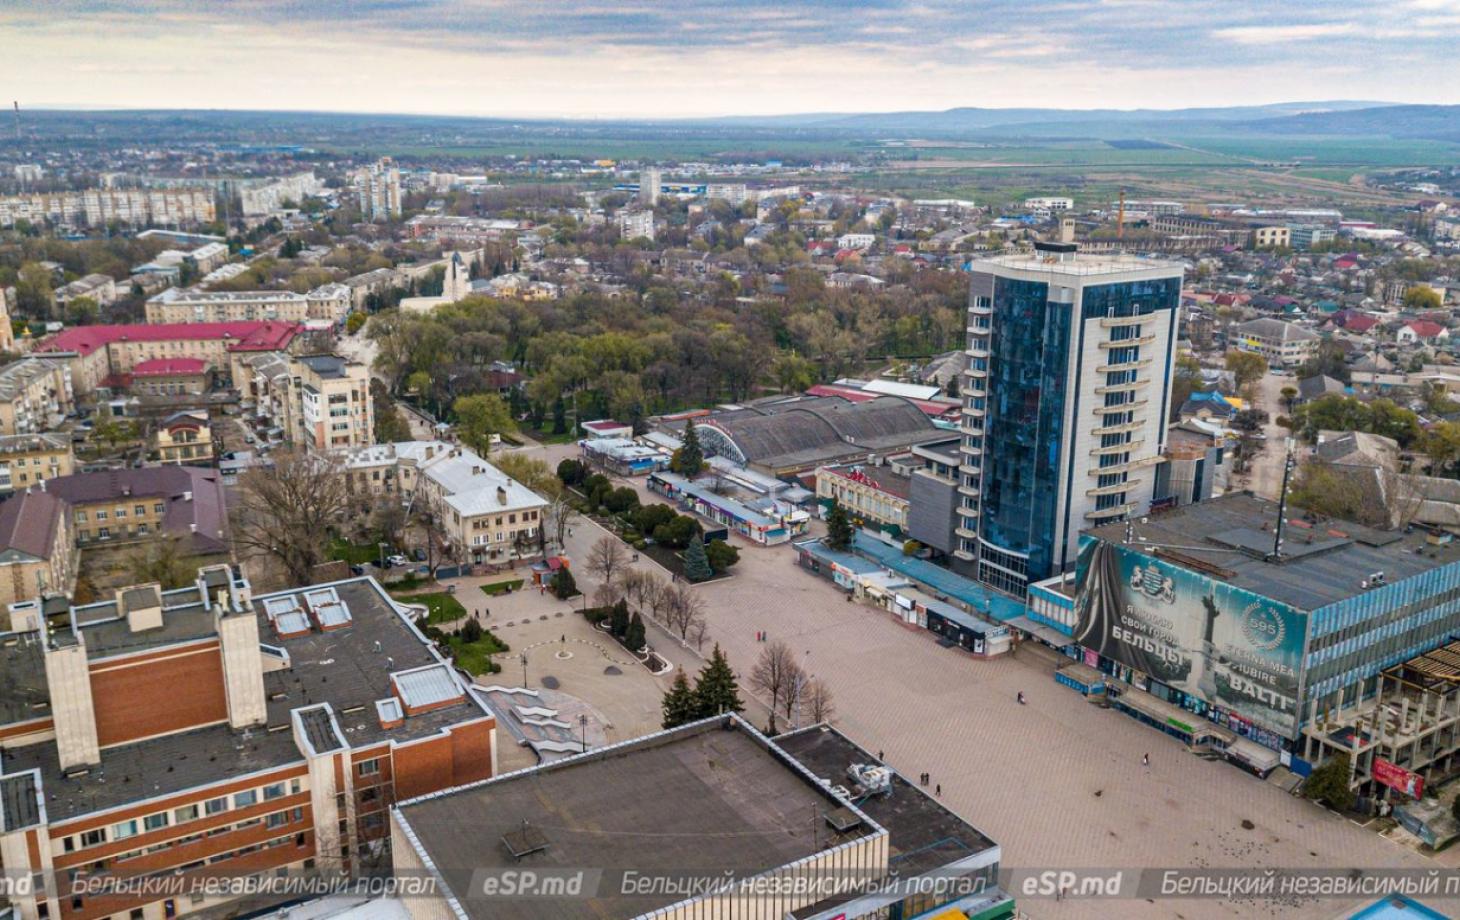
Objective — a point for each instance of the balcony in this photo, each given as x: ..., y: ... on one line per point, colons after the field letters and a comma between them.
x: 1112, y: 490
x: 969, y: 491
x: 1139, y: 364
x: 1123, y: 407
x: 1128, y: 466
x: 975, y: 373
x: 1110, y: 322
x: 1127, y: 343
x: 1116, y: 448
x: 1123, y: 387
x: 971, y: 412
x: 1105, y: 514
x: 976, y: 309
x: 1117, y: 429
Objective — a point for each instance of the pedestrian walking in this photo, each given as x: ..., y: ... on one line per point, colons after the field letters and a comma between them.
x: 1146, y: 760
x: 939, y: 791
x: 880, y: 758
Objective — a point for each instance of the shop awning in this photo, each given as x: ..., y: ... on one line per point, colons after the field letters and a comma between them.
x: 1040, y: 631
x: 951, y: 913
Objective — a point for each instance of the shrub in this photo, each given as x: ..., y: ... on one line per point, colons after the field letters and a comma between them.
x: 471, y: 632
x: 678, y: 532
x: 721, y: 555
x: 596, y: 615
x: 619, y: 624
x: 634, y: 636
x: 649, y: 517
x: 911, y: 548
x: 621, y: 499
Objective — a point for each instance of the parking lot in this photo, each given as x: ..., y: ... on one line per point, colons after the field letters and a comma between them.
x: 1057, y: 782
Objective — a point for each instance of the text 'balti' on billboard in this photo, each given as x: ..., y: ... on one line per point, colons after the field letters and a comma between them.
x: 1223, y: 644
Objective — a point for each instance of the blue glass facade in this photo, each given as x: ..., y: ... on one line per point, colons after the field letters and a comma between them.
x: 1029, y: 356
x: 1353, y: 640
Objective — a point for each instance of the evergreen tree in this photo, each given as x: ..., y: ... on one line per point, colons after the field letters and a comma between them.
x: 564, y: 585
x: 680, y: 703
x: 634, y: 637
x: 838, y: 528
x: 690, y: 456
x: 696, y: 563
x: 716, y: 691
x: 618, y: 622
x: 1329, y: 783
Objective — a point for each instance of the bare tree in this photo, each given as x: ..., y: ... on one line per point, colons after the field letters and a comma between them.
x: 639, y: 586
x: 776, y: 674
x: 164, y: 559
x: 430, y: 518
x: 818, y: 701
x: 682, y: 608
x: 285, y: 513
x: 559, y: 514
x: 606, y: 559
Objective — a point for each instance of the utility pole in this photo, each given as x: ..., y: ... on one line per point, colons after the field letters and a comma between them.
x: 1277, y: 537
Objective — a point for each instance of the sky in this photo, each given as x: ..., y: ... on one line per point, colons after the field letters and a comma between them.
x: 690, y: 58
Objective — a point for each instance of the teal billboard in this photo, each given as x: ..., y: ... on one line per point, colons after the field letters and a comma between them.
x: 1234, y: 649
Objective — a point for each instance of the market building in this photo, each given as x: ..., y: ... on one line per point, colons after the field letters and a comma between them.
x: 1224, y: 617
x: 767, y: 521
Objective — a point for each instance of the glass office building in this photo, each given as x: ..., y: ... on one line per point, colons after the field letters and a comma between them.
x: 1065, y: 400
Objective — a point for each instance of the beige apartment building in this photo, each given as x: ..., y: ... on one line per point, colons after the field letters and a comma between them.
x: 321, y: 402
x: 35, y: 394
x: 1272, y: 237
x: 29, y: 459
x: 487, y: 515
x: 37, y: 547
x: 185, y: 305
x: 100, y: 353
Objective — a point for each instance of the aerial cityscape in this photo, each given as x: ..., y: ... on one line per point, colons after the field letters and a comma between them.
x: 464, y: 460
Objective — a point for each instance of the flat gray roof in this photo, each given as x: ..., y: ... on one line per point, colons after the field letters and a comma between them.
x: 704, y: 800
x: 1325, y: 560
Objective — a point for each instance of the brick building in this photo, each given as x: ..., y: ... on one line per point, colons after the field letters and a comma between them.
x: 308, y: 713
x: 95, y: 353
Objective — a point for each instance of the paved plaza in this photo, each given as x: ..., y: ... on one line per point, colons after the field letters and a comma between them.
x: 1057, y: 782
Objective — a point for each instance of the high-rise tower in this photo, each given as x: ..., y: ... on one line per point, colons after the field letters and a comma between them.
x: 1066, y: 398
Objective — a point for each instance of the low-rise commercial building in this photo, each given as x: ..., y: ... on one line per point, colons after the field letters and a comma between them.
x: 303, y: 716
x: 185, y: 305
x: 873, y: 496
x: 1247, y: 629
x: 812, y: 828
x: 1283, y: 344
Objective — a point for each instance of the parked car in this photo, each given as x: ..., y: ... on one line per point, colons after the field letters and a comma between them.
x: 396, y: 560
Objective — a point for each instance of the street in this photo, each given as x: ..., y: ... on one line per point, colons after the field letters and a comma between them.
x: 1265, y: 476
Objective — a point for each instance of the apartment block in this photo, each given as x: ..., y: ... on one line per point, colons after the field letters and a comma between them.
x: 307, y: 714
x: 378, y: 186
x: 37, y: 553
x: 29, y: 459
x: 35, y: 395
x: 186, y: 305
x: 100, y: 206
x: 96, y: 353
x: 319, y: 402
x: 487, y: 515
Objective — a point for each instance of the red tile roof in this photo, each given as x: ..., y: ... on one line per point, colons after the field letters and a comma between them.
x: 1425, y: 330
x: 257, y: 335
x: 168, y: 367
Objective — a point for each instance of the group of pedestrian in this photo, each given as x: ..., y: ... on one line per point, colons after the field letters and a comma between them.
x: 760, y: 635
x: 925, y: 778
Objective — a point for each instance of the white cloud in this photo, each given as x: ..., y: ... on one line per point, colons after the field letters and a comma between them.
x: 1278, y: 35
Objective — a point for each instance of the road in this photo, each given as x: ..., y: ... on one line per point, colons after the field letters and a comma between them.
x: 1266, y: 472
x: 1057, y: 782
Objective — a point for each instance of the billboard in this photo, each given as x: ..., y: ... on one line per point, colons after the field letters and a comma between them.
x: 1396, y: 777
x: 1222, y: 644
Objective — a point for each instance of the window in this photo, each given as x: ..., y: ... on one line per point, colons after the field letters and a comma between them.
x: 157, y: 508
x: 215, y: 806
x: 139, y: 510
x: 68, y: 844
x: 245, y: 799
x: 136, y: 914
x: 81, y: 517
x: 101, y: 515
x: 277, y: 819
x: 274, y: 791
x: 155, y: 822
x: 93, y: 838
x: 186, y: 813
x: 368, y: 767
x: 120, y: 513
x: 124, y: 830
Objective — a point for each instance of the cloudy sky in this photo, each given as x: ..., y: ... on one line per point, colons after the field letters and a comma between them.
x: 602, y: 58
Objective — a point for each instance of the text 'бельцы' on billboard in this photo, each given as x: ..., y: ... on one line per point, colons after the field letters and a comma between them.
x: 1223, y: 644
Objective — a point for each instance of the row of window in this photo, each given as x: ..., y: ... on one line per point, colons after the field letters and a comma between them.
x: 120, y: 513
x: 181, y: 815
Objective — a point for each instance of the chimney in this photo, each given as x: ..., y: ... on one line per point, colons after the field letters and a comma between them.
x: 430, y: 452
x: 501, y: 495
x: 141, y: 605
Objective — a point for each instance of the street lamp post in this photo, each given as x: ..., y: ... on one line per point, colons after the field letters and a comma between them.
x: 523, y: 658
x: 583, y: 731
